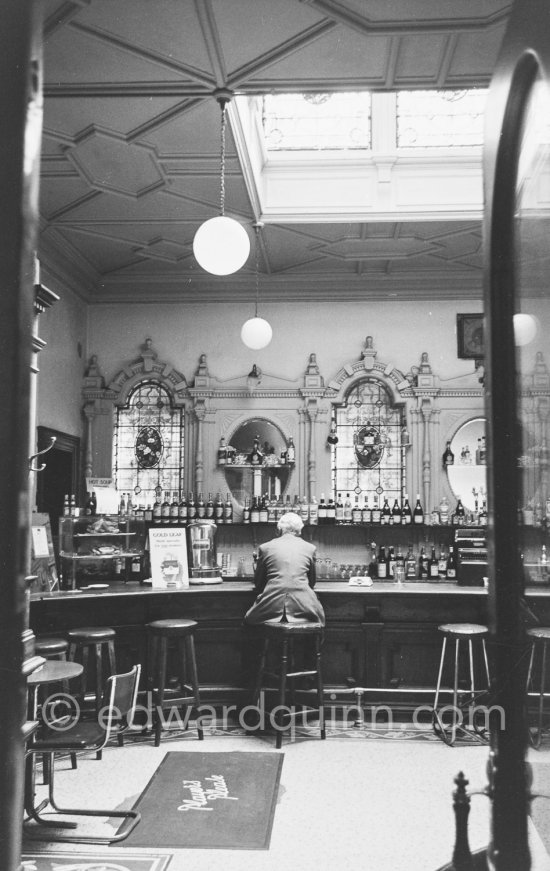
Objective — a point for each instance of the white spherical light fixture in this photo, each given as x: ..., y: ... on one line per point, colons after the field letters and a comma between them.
x: 221, y: 245
x: 256, y: 333
x: 525, y: 329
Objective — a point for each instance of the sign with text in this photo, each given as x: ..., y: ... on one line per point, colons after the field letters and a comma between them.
x: 168, y: 554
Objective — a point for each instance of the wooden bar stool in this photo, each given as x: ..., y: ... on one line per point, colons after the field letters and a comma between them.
x: 163, y: 636
x: 284, y: 635
x: 540, y: 636
x: 472, y: 637
x: 94, y: 647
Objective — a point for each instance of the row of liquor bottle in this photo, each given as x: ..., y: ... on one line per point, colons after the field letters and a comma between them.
x: 390, y: 563
x: 466, y: 458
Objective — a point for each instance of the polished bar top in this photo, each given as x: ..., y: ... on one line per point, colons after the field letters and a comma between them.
x: 236, y: 585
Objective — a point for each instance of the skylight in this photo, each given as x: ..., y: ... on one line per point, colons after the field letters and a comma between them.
x: 448, y: 119
x: 318, y: 122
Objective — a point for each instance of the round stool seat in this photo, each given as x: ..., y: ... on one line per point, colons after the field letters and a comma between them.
x: 299, y: 627
x: 50, y: 646
x: 91, y: 635
x: 172, y: 627
x: 464, y: 629
x: 539, y: 632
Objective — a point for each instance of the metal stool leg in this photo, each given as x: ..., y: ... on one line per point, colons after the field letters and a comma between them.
x: 282, y: 694
x: 192, y: 662
x: 320, y: 688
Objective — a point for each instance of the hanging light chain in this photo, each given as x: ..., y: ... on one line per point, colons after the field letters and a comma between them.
x: 257, y: 268
x: 222, y: 159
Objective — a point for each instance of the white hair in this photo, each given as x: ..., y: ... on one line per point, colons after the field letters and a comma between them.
x: 290, y: 522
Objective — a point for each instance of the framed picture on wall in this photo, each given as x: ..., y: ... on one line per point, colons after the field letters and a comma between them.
x: 469, y: 336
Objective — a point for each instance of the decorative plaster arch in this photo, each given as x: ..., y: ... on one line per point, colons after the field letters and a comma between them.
x: 147, y: 367
x: 367, y: 367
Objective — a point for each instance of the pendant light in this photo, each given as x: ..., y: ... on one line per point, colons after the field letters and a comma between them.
x: 256, y: 333
x: 221, y: 245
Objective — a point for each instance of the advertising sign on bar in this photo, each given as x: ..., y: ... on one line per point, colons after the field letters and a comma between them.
x: 168, y: 553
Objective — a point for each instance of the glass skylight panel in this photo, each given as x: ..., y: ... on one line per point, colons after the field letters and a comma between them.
x: 440, y: 119
x: 317, y: 122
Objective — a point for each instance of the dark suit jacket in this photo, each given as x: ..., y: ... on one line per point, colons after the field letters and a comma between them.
x: 284, y: 579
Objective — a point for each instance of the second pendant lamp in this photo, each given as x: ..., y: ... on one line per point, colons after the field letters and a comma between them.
x: 256, y: 332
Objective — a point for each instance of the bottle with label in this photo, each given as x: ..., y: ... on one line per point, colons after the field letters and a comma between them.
x: 165, y: 508
x: 291, y: 452
x: 375, y: 515
x: 182, y: 511
x: 459, y: 514
x: 66, y: 506
x: 391, y: 562
x: 448, y: 456
x: 304, y: 510
x: 313, y: 511
x: 322, y: 511
x: 365, y: 511
x: 129, y: 505
x: 347, y: 509
x: 451, y: 565
x: 418, y: 513
x: 483, y: 514
x: 356, y: 513
x: 121, y: 505
x: 157, y: 511
x: 382, y: 567
x: 433, y: 566
x: 385, y: 514
x: 228, y: 509
x: 218, y: 508
x: 396, y: 514
x: 423, y: 565
x: 442, y: 564
x: 201, y: 507
x: 339, y: 509
x: 406, y: 513
x: 331, y: 512
x: 246, y: 510
x: 209, y: 508
x: 481, y: 452
x: 264, y: 513
x: 222, y: 452
x: 148, y: 514
x: 255, y: 510
x: 410, y: 563
x: 191, y: 507
x: 373, y: 564
x: 444, y: 513
x: 255, y: 457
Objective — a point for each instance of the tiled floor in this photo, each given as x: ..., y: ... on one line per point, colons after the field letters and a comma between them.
x: 368, y: 802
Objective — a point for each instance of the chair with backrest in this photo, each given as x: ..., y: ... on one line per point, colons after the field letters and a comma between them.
x: 58, y: 736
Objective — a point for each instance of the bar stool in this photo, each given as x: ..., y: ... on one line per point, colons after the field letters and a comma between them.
x: 100, y: 642
x: 164, y: 636
x: 540, y: 636
x: 53, y: 648
x: 472, y: 636
x: 284, y: 635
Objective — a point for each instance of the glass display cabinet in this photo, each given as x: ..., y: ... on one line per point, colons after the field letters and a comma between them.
x: 100, y: 548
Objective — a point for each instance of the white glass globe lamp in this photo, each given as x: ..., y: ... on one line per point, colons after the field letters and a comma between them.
x: 221, y: 245
x: 256, y: 333
x: 525, y: 329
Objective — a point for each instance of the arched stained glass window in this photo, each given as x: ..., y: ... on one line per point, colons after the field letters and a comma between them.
x: 148, y: 445
x: 369, y: 458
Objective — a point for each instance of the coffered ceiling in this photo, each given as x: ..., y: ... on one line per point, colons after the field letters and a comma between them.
x: 131, y: 143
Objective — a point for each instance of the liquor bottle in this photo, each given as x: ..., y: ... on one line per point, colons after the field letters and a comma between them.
x: 272, y: 511
x: 165, y: 508
x: 66, y: 506
x: 291, y: 452
x: 339, y: 509
x: 410, y: 563
x: 423, y: 565
x: 347, y: 509
x: 373, y: 564
x: 304, y: 510
x: 451, y: 565
x: 313, y: 512
x: 418, y: 513
x: 385, y: 514
x: 356, y: 513
x: 396, y: 514
x: 366, y: 513
x: 255, y: 511
x: 288, y: 504
x: 174, y: 510
x: 263, y: 510
x: 191, y: 507
x: 375, y: 514
x: 201, y: 507
x: 399, y: 557
x: 209, y: 513
x: 246, y: 510
x: 157, y: 512
x: 88, y: 505
x: 406, y: 513
x: 433, y: 566
x: 322, y: 511
x: 481, y: 452
x: 94, y: 502
x: 148, y: 514
x: 444, y: 511
x: 255, y: 457
x: 382, y: 567
x: 459, y: 514
x: 483, y: 514
x: 228, y: 509
x: 129, y: 505
x: 442, y: 564
x: 448, y: 456
x: 182, y: 511
x: 331, y: 512
x: 222, y: 452
x: 391, y: 562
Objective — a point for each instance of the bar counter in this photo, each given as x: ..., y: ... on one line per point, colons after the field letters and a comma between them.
x: 384, y: 637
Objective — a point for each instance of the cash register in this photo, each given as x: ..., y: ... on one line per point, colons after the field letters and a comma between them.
x: 470, y: 548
